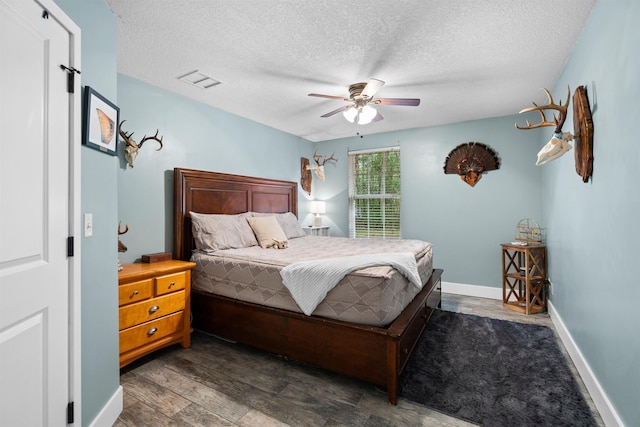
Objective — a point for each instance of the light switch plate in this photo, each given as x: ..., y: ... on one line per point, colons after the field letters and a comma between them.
x: 88, y: 225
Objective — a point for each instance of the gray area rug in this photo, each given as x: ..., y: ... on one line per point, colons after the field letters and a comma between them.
x: 493, y: 373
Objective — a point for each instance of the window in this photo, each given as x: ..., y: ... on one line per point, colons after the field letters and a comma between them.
x: 374, y: 193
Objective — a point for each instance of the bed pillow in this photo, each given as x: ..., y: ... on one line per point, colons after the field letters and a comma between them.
x: 290, y: 225
x: 267, y: 229
x: 213, y: 232
x: 288, y: 222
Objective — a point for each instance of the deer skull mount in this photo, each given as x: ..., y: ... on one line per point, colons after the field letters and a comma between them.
x: 559, y: 143
x: 320, y: 162
x: 131, y: 147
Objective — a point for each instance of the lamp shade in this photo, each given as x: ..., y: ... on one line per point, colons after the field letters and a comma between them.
x: 350, y: 114
x: 360, y: 114
x: 366, y: 115
x: 318, y: 207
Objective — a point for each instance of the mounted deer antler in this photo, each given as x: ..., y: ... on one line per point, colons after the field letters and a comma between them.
x: 131, y: 149
x: 121, y: 246
x: 320, y: 162
x: 557, y: 121
x: 559, y: 143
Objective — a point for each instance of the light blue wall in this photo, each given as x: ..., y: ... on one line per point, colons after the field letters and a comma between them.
x: 195, y: 136
x: 100, y: 362
x: 593, y: 227
x: 590, y: 227
x: 466, y: 224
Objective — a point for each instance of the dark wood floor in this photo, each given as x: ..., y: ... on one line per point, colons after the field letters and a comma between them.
x: 215, y: 383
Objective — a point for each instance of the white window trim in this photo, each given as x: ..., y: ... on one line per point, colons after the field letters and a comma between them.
x: 352, y: 197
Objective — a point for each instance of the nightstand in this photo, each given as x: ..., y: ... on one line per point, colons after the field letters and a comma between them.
x: 154, y: 307
x: 322, y: 230
x: 524, y: 277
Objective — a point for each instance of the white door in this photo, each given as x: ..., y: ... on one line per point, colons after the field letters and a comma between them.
x: 34, y: 216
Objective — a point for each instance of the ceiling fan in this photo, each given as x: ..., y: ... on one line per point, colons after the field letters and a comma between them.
x: 360, y: 96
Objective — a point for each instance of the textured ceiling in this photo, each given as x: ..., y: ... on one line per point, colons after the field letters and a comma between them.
x: 465, y: 59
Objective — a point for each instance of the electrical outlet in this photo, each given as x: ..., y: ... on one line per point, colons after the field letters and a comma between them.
x: 88, y: 225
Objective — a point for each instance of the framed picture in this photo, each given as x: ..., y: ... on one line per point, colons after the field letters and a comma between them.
x: 101, y: 118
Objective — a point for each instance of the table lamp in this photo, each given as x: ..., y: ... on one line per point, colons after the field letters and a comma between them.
x: 318, y: 207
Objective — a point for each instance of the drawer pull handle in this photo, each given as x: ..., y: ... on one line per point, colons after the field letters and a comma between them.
x: 136, y: 292
x: 154, y: 309
x: 171, y: 284
x: 152, y: 331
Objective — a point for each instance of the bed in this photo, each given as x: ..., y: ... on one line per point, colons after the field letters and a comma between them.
x: 373, y: 353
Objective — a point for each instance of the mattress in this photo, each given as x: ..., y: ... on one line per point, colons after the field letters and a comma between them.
x: 372, y: 296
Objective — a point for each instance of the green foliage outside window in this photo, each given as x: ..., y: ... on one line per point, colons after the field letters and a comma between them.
x: 374, y: 194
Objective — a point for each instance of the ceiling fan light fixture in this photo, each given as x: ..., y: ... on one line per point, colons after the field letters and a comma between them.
x: 350, y: 114
x: 366, y: 115
x: 361, y: 94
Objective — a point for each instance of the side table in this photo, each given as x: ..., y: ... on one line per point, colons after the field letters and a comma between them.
x: 322, y: 230
x: 524, y: 277
x: 154, y: 307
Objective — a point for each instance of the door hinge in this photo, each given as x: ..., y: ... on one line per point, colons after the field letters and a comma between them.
x: 71, y: 77
x: 70, y: 413
x: 70, y: 246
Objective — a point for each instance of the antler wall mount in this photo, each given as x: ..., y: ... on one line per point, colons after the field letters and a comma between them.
x: 320, y: 162
x: 132, y: 148
x: 583, y: 133
x: 121, y: 246
x: 305, y: 175
x: 559, y: 143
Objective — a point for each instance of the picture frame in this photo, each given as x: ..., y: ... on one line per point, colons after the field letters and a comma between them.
x: 101, y: 121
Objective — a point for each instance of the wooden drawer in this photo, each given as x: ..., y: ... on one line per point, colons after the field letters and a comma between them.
x: 170, y: 283
x: 150, y: 332
x: 134, y: 292
x: 411, y: 334
x: 135, y: 314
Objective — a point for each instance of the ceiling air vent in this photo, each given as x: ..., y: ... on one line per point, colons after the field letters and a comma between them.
x: 196, y: 78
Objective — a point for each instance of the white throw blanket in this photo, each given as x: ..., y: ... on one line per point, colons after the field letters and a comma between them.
x: 310, y: 281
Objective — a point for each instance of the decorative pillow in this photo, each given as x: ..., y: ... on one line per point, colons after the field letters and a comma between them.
x: 267, y: 230
x: 287, y: 221
x: 213, y: 232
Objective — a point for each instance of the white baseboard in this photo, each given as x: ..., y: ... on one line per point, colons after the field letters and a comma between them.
x: 110, y: 412
x: 472, y: 290
x: 599, y: 397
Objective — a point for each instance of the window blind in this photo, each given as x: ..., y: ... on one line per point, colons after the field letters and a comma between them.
x: 374, y: 193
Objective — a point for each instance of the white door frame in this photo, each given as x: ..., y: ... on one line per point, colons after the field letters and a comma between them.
x: 75, y: 140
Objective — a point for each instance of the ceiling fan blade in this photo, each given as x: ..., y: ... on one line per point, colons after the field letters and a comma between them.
x: 336, y: 111
x: 412, y: 102
x: 377, y: 118
x: 371, y: 88
x: 319, y: 95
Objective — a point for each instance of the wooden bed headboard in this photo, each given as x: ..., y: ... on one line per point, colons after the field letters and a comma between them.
x: 219, y: 193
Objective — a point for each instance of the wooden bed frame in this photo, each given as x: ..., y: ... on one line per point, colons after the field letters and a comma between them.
x: 373, y: 354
